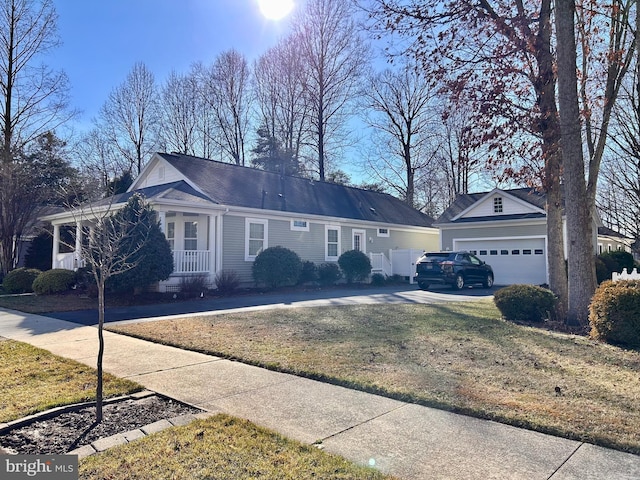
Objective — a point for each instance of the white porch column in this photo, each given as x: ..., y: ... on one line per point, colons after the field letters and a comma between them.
x: 213, y: 257
x: 219, y: 242
x: 56, y: 246
x: 162, y: 216
x: 77, y: 253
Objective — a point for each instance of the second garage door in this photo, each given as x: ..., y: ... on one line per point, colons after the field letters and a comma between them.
x: 512, y: 260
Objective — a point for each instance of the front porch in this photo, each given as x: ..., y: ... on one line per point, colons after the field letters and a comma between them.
x: 196, y: 235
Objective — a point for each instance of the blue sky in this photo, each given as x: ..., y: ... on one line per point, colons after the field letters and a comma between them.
x: 102, y: 39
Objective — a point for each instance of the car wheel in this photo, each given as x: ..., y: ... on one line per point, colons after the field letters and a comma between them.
x: 459, y: 282
x: 423, y: 286
x: 488, y: 282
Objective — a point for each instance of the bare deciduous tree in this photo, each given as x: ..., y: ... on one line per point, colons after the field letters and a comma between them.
x: 129, y: 117
x: 283, y: 113
x: 180, y: 114
x: 402, y: 107
x: 226, y: 88
x: 33, y: 100
x: 335, y: 58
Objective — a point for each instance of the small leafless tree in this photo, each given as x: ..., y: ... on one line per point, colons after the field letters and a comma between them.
x: 109, y: 249
x: 129, y: 117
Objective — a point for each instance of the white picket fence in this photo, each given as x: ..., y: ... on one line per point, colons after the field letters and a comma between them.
x: 634, y: 275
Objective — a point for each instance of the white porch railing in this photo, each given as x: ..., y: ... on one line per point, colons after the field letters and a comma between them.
x: 634, y: 275
x: 380, y: 264
x: 67, y: 261
x: 191, y: 261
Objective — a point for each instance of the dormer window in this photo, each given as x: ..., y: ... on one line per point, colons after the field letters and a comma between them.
x: 497, y: 205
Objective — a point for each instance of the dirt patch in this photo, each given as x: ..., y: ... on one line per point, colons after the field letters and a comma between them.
x: 67, y: 431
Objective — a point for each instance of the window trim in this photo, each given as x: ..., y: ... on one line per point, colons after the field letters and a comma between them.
x: 363, y: 244
x: 382, y: 234
x: 297, y: 228
x: 247, y: 231
x: 498, y: 205
x: 328, y: 258
x: 185, y: 238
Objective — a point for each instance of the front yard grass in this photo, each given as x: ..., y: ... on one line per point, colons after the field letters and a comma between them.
x: 224, y: 448
x: 221, y: 447
x: 33, y: 380
x: 456, y: 356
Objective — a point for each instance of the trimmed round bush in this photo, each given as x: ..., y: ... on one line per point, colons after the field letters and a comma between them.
x: 328, y: 273
x: 54, y: 281
x: 524, y: 303
x: 378, y: 280
x: 309, y: 272
x: 614, y: 313
x: 277, y: 267
x: 20, y: 280
x: 355, y: 265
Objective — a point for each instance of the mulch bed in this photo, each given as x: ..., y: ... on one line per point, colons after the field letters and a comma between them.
x: 67, y: 431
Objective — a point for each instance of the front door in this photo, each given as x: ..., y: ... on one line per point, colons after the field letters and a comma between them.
x: 359, y: 240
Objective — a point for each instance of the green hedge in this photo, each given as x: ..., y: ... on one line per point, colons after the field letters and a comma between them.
x: 276, y: 267
x: 355, y: 265
x: 328, y: 273
x: 614, y: 313
x: 54, y: 281
x: 20, y: 280
x: 525, y: 303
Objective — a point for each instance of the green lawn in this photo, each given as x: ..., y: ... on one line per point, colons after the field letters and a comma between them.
x: 456, y: 356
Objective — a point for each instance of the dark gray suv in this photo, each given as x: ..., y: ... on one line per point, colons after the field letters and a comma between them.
x: 453, y: 268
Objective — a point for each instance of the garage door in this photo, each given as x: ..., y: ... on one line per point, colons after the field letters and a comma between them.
x: 513, y: 261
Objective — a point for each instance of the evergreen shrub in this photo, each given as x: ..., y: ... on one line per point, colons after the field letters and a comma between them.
x: 524, y: 303
x: 54, y: 281
x: 355, y: 265
x: 328, y: 273
x: 277, y: 267
x: 614, y: 313
x: 20, y: 280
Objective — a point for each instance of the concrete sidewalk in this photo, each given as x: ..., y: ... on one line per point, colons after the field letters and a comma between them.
x: 406, y: 440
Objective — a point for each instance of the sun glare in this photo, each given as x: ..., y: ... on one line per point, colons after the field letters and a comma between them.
x: 275, y: 9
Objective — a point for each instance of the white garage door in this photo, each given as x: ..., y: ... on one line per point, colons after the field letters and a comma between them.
x: 513, y: 261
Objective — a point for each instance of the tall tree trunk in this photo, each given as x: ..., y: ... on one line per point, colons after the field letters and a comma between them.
x: 545, y: 86
x: 582, y: 281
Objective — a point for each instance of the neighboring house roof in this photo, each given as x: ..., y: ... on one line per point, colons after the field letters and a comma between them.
x: 232, y: 185
x: 607, y: 232
x: 463, y: 202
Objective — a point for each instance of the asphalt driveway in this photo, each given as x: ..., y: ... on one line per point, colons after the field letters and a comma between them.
x: 358, y: 295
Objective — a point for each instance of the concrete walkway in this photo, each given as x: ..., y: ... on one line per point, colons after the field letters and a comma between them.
x: 406, y: 440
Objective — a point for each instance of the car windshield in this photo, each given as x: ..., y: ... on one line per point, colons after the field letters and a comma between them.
x: 436, y: 257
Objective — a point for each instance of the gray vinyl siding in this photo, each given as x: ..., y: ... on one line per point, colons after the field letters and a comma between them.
x: 233, y: 247
x: 483, y: 231
x: 310, y: 246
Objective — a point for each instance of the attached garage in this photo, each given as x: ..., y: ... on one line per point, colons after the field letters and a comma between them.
x: 514, y: 260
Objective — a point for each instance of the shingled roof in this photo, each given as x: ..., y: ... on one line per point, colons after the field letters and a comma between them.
x: 238, y: 186
x: 465, y: 200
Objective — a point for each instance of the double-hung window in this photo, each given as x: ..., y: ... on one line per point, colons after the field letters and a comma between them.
x: 256, y: 234
x: 332, y: 243
x: 190, y: 235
